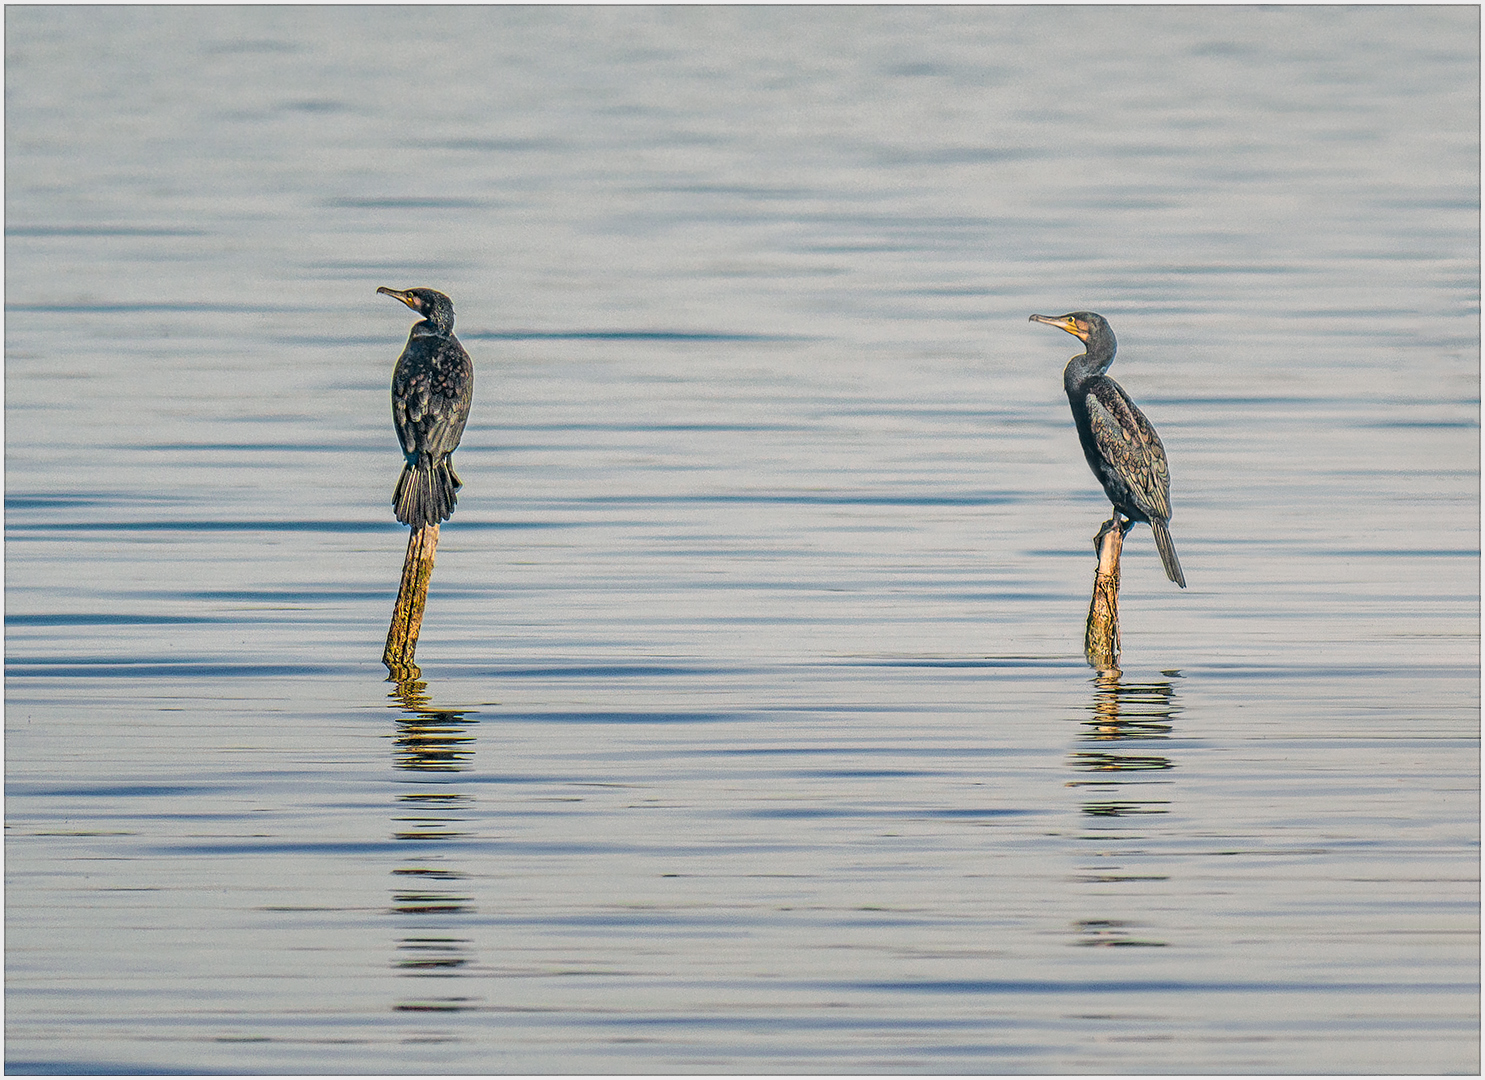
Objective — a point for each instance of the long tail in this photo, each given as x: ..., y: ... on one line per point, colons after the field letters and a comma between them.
x: 425, y: 492
x: 1167, y: 550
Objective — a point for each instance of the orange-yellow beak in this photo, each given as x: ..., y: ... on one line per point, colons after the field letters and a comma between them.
x: 1063, y: 322
x: 406, y: 297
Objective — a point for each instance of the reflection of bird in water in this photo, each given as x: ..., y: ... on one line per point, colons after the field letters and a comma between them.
x: 427, y: 895
x: 1120, y: 444
x: 1126, y: 786
x: 431, y: 389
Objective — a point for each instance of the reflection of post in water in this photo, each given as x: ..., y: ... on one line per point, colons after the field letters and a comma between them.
x: 1124, y: 782
x: 436, y: 746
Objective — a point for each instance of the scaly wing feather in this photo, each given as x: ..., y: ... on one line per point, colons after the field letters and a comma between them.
x: 1129, y: 444
x: 430, y: 402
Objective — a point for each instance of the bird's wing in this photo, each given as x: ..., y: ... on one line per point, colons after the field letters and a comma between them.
x: 410, y: 400
x: 449, y: 392
x: 430, y: 405
x: 1128, y: 442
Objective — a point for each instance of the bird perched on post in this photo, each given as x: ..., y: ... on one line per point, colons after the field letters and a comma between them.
x: 1120, y: 444
x: 431, y: 389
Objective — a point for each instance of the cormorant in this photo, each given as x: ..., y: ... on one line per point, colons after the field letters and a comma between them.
x: 1120, y: 444
x: 431, y: 389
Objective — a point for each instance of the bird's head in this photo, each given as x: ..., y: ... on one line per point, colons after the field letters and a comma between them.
x: 1082, y: 325
x: 436, y: 308
x: 1092, y: 330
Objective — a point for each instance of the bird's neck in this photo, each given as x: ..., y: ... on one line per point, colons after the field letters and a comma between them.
x: 427, y: 329
x: 1085, y: 366
x: 1078, y: 371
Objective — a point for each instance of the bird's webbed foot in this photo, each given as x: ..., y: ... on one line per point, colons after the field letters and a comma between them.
x: 1115, y: 522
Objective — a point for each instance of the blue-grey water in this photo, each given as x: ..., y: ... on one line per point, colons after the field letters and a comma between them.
x: 754, y: 731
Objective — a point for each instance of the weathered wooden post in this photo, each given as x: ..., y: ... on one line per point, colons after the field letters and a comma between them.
x: 407, y: 616
x: 1101, y: 638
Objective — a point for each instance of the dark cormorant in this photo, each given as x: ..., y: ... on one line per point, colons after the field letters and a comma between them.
x: 1120, y: 444
x: 431, y: 389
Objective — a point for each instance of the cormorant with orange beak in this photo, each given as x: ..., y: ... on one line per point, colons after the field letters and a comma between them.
x: 431, y: 389
x: 1120, y: 444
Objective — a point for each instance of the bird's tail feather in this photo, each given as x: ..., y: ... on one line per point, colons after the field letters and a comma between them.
x: 1167, y: 550
x: 426, y: 493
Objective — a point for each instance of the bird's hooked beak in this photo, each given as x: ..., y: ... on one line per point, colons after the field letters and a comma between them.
x: 405, y: 296
x: 1063, y: 322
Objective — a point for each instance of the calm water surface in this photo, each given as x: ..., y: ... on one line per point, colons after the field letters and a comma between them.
x: 754, y: 732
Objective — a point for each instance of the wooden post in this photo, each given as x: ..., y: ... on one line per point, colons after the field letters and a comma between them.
x: 407, y: 616
x: 1101, y: 638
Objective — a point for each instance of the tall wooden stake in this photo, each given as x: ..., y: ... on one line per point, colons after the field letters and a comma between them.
x: 407, y: 616
x: 1101, y: 639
